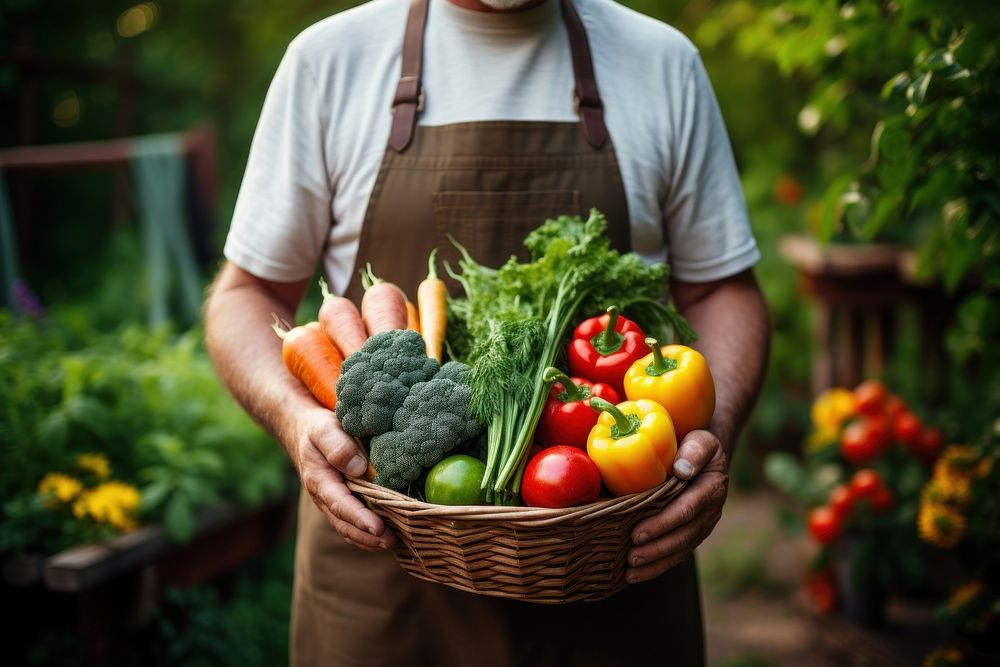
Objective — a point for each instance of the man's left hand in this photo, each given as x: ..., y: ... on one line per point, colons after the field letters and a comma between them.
x: 668, y: 538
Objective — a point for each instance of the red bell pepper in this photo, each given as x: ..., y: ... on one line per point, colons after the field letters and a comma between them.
x: 604, y: 347
x: 567, y: 417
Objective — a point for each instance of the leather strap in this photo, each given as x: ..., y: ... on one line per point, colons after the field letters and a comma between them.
x: 586, y: 97
x: 409, y: 98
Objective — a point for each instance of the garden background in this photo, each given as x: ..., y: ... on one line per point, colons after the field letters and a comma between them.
x: 862, y: 125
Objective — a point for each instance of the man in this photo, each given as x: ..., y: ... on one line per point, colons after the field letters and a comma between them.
x: 389, y: 127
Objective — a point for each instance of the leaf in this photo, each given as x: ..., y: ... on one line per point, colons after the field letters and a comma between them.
x: 830, y: 210
x: 916, y: 92
x: 897, y: 85
x: 179, y: 519
x: 91, y: 413
x: 153, y: 495
x: 783, y: 472
x: 53, y: 431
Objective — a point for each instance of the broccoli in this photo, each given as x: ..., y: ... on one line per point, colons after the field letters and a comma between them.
x: 455, y: 370
x: 433, y: 419
x: 375, y: 381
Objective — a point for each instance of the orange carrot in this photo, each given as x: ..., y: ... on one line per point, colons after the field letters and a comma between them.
x: 383, y: 307
x: 432, y: 300
x: 311, y: 357
x: 412, y: 317
x: 341, y: 321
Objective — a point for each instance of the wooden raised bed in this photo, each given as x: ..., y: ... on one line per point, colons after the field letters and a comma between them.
x: 105, y: 591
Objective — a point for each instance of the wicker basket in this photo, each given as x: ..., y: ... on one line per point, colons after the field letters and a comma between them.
x: 548, y: 556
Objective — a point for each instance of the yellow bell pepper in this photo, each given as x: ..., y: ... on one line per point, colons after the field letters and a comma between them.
x: 677, y: 377
x: 633, y: 445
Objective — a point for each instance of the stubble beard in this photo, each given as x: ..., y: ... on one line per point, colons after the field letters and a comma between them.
x: 505, y: 5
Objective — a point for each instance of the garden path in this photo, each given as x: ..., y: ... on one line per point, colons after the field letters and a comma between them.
x: 757, y: 616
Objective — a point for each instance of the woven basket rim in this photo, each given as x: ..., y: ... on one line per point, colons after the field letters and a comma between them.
x: 535, y: 516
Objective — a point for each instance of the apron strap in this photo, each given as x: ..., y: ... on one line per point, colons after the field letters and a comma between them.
x: 586, y: 97
x: 409, y: 98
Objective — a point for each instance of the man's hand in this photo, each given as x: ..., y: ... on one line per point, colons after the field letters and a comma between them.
x: 247, y: 356
x: 323, y: 454
x: 669, y: 538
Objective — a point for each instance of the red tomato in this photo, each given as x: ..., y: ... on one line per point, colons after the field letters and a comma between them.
x: 870, y: 396
x: 881, y: 500
x: 930, y: 444
x: 824, y: 525
x: 560, y: 476
x: 841, y: 501
x: 822, y: 589
x: 864, y: 439
x: 866, y: 483
x: 893, y: 405
x: 907, y: 429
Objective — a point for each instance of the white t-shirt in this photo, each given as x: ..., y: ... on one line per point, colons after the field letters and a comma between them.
x: 325, y: 125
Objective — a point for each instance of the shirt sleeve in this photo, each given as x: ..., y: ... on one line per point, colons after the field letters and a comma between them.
x: 282, y: 216
x: 708, y: 229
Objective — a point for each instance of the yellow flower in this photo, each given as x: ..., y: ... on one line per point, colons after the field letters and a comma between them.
x: 963, y: 595
x: 947, y: 490
x: 96, y: 464
x: 59, y: 488
x: 940, y: 525
x: 112, y: 502
x: 943, y: 657
x: 958, y: 461
x: 831, y: 408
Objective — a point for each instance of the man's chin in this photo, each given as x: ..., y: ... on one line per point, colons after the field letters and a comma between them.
x: 506, y: 5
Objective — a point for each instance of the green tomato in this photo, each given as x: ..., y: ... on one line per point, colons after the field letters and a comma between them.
x: 456, y: 481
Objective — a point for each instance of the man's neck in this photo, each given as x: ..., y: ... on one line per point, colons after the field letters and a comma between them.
x: 480, y: 7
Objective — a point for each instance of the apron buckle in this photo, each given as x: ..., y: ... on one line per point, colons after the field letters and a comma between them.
x: 409, y: 91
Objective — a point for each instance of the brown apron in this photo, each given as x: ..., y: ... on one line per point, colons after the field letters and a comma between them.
x: 486, y: 184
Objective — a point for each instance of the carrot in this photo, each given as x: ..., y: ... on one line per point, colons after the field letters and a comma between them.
x: 432, y: 300
x: 311, y: 357
x: 383, y: 307
x: 341, y: 321
x: 412, y: 316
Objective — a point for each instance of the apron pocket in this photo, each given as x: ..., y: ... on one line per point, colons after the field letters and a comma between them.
x: 492, y: 225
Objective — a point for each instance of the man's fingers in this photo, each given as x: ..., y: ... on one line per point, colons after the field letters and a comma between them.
x: 707, y: 490
x: 634, y: 575
x: 682, y: 540
x: 340, y: 450
x: 694, y: 453
x: 343, y: 505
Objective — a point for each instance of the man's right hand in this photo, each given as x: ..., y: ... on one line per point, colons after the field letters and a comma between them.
x: 247, y: 356
x: 323, y: 454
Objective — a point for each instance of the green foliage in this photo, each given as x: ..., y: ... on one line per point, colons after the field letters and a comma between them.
x: 197, y: 626
x: 148, y: 400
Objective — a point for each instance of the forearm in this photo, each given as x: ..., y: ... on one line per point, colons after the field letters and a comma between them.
x: 734, y: 335
x: 247, y: 354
